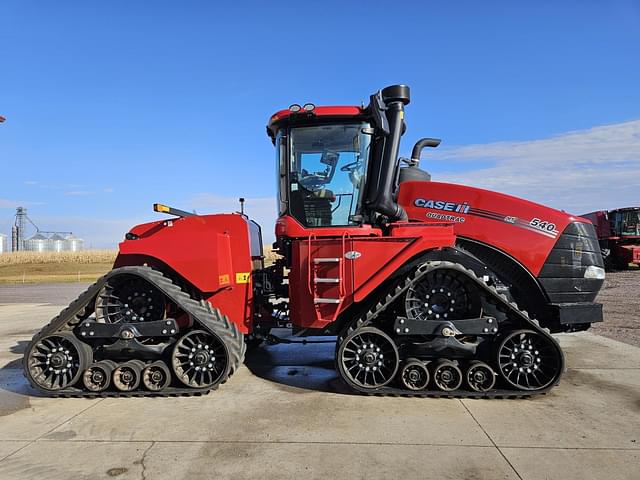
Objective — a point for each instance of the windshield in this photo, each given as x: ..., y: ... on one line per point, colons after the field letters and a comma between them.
x: 327, y: 171
x: 630, y: 222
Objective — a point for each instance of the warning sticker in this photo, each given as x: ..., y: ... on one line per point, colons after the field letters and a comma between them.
x: 243, y: 277
x: 224, y: 279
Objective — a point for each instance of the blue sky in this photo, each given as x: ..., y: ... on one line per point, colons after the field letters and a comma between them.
x: 112, y: 106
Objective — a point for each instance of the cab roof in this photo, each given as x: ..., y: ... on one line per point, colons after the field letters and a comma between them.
x: 336, y: 111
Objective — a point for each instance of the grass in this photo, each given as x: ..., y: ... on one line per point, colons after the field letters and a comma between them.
x: 51, y: 267
x: 36, y: 267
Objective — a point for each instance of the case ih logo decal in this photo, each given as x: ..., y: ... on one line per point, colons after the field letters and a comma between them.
x: 445, y: 207
x: 536, y: 225
x: 442, y: 205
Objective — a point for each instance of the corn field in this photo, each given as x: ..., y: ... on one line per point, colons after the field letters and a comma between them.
x: 83, y: 257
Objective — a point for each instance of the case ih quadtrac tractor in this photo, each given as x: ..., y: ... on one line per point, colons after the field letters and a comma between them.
x: 430, y: 288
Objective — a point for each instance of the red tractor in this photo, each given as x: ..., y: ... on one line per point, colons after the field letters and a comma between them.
x: 429, y: 288
x: 619, y: 235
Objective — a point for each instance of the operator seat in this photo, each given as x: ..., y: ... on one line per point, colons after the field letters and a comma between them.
x: 312, y: 208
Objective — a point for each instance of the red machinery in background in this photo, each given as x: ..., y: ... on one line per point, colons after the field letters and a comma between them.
x: 429, y: 288
x: 619, y: 236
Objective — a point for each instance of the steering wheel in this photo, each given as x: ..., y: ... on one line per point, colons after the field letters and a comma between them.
x: 312, y: 182
x: 350, y: 167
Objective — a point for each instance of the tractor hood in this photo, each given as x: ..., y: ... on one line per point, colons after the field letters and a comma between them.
x: 524, y: 230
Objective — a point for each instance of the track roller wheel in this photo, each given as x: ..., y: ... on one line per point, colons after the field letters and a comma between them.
x: 414, y: 375
x: 97, y: 377
x: 55, y: 362
x: 126, y: 376
x: 480, y: 376
x: 447, y: 375
x: 368, y: 358
x: 200, y: 359
x: 529, y: 360
x: 156, y: 376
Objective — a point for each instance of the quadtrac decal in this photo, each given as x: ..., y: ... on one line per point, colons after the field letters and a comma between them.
x: 537, y: 225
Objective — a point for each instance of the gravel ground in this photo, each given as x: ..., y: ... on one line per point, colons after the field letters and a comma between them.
x: 620, y: 297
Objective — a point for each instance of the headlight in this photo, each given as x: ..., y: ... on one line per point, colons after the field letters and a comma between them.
x: 594, y: 272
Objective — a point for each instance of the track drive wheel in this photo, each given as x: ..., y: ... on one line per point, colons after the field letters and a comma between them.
x: 367, y: 358
x: 128, y: 298
x: 447, y: 376
x: 55, y: 362
x: 414, y: 374
x: 443, y: 294
x: 528, y: 360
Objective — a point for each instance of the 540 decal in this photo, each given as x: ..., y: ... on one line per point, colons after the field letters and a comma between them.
x: 543, y: 225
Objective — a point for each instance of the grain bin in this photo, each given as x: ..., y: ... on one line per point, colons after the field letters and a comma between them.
x: 74, y: 244
x: 58, y: 243
x: 37, y: 243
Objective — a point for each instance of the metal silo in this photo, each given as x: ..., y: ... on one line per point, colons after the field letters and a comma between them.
x: 58, y: 243
x: 37, y: 243
x: 74, y: 244
x: 3, y: 243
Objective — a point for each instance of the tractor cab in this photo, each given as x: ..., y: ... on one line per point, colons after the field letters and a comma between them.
x: 625, y: 222
x: 338, y: 166
x: 322, y: 171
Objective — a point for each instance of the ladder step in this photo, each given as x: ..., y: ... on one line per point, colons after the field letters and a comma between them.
x: 326, y: 280
x: 326, y: 260
x: 326, y: 300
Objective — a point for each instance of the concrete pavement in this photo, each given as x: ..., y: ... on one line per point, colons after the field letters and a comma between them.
x: 288, y: 418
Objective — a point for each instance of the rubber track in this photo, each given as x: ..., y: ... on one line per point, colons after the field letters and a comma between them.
x: 208, y: 318
x: 503, y: 304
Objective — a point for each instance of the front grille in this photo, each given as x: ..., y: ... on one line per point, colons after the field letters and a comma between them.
x: 562, y: 275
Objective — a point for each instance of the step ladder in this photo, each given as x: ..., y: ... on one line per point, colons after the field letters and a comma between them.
x: 317, y: 279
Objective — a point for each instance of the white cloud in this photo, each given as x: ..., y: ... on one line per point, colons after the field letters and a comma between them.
x: 260, y: 209
x: 5, y: 203
x: 107, y: 233
x: 96, y: 233
x: 578, y: 171
x: 78, y: 193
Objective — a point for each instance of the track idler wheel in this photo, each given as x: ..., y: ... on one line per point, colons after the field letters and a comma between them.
x: 414, y: 375
x: 55, y: 362
x: 367, y: 358
x: 529, y: 360
x: 447, y: 376
x: 200, y: 359
x: 126, y: 376
x: 97, y: 377
x: 480, y: 376
x: 156, y: 376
